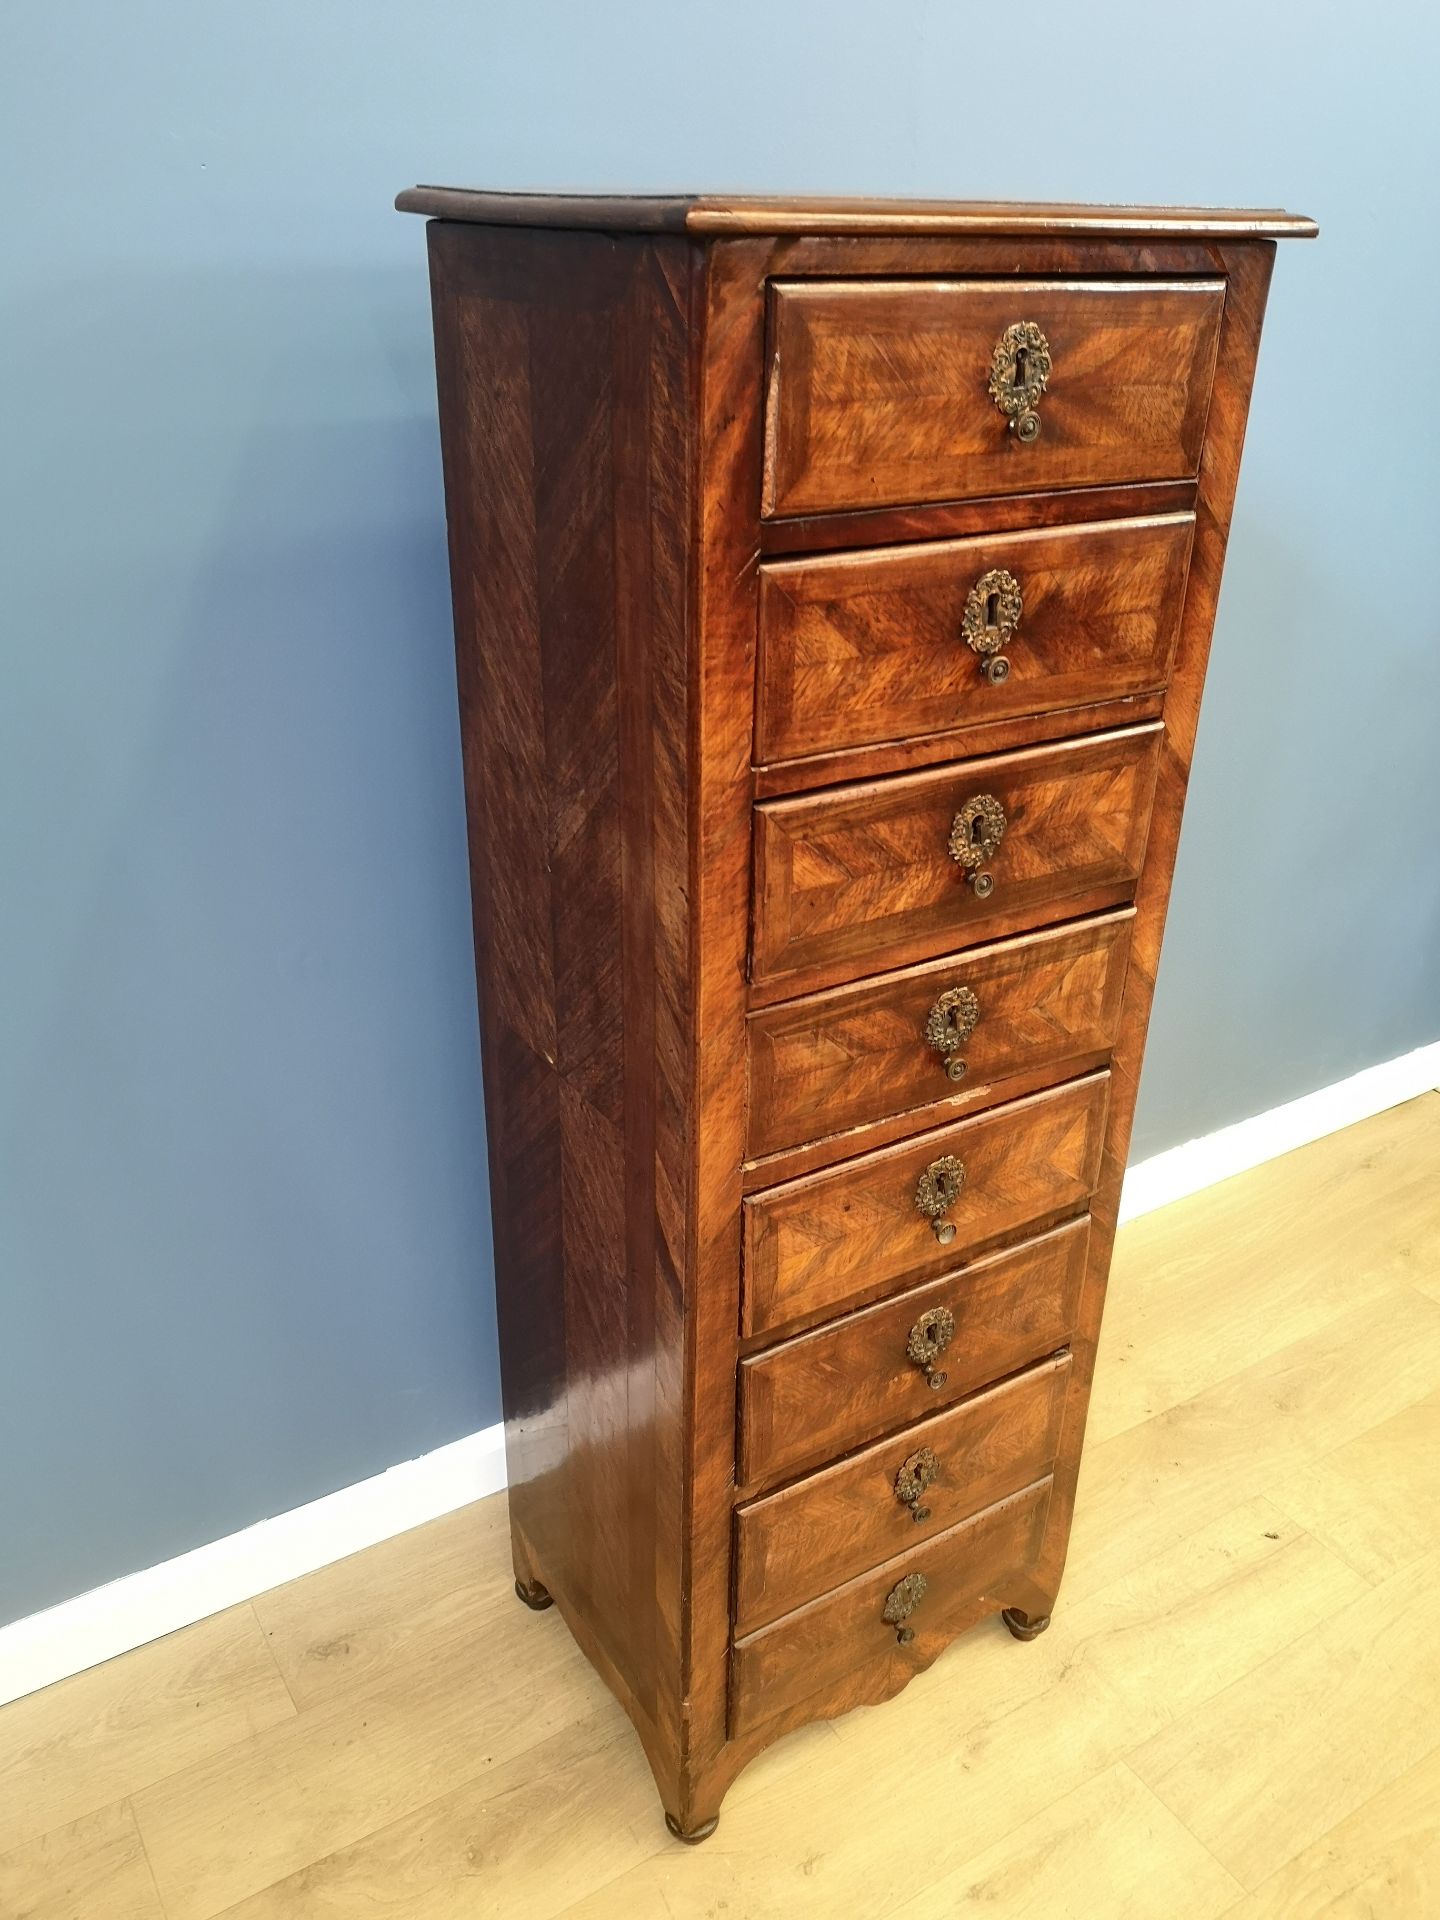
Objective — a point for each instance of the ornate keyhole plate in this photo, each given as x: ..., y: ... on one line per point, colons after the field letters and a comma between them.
x: 939, y: 1186
x: 929, y: 1337
x: 917, y: 1472
x: 950, y: 1023
x: 904, y: 1597
x: 976, y: 831
x: 993, y: 608
x: 1020, y: 369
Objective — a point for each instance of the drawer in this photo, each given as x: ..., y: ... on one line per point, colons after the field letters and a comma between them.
x: 874, y: 874
x: 811, y: 1397
x: 845, y: 1636
x: 1045, y: 1004
x: 834, y: 1239
x: 879, y: 392
x: 860, y: 648
x: 803, y: 1540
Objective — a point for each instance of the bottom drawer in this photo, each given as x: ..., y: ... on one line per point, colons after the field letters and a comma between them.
x: 814, y: 1650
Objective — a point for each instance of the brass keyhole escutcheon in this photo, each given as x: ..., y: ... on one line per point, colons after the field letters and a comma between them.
x: 1020, y: 368
x: 992, y: 613
x: 918, y: 1471
x: 929, y: 1337
x: 901, y: 1601
x: 937, y: 1191
x: 975, y: 836
x: 950, y: 1024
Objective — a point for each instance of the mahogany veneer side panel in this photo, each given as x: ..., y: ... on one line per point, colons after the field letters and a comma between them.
x: 567, y: 396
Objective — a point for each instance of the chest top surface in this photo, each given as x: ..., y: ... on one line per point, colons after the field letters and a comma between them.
x: 712, y: 213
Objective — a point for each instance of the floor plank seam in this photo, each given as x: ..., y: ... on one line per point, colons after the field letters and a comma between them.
x: 454, y: 1787
x: 1242, y: 1892
x: 160, y: 1902
x: 1372, y: 1579
x: 274, y: 1659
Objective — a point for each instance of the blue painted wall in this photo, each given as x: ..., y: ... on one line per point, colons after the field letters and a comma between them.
x: 243, y: 1239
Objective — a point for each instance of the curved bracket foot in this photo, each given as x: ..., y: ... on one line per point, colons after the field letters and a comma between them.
x: 1022, y: 1626
x: 536, y: 1597
x: 693, y: 1839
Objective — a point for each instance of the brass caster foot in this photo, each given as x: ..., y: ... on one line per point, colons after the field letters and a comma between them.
x: 702, y: 1832
x: 536, y: 1597
x: 1022, y: 1626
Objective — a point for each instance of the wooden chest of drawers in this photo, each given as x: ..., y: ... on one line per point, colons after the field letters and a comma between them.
x: 833, y: 588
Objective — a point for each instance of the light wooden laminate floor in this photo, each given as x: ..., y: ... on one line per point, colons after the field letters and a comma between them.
x: 1236, y: 1712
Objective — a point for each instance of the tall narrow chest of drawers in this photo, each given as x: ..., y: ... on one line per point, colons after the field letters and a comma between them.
x: 833, y: 587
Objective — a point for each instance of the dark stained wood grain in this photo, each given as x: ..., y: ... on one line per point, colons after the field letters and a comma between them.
x: 844, y: 1636
x: 868, y: 646
x: 878, y: 391
x: 857, y: 878
x: 831, y: 1062
x: 795, y: 1544
x: 807, y: 1399
x: 826, y: 1241
x: 565, y: 384
x: 603, y: 409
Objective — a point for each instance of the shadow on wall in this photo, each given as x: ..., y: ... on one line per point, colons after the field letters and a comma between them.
x: 244, y: 1120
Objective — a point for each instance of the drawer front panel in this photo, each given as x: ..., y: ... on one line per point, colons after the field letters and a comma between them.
x: 811, y: 1397
x: 862, y: 1053
x: 868, y: 647
x: 880, y: 391
x: 816, y: 1649
x: 862, y: 877
x: 805, y: 1539
x: 836, y: 1238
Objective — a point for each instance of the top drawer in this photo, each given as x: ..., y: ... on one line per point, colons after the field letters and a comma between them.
x: 892, y: 392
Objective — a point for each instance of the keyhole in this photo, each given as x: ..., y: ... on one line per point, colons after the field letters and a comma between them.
x: 977, y: 832
x: 1022, y: 356
x: 992, y: 611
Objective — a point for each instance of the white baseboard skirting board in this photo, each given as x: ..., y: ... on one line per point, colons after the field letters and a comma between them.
x: 1249, y: 1143
x: 95, y: 1626
x: 127, y: 1613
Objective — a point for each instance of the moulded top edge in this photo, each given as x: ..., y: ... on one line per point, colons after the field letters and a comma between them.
x: 781, y: 214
